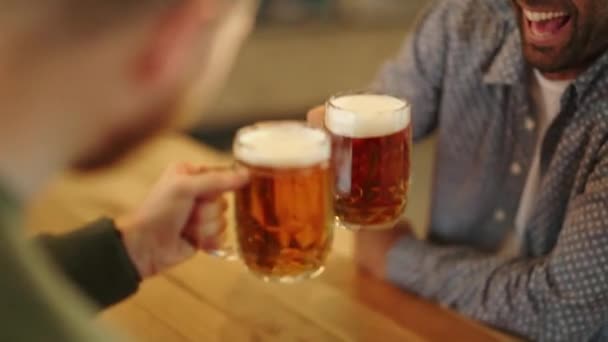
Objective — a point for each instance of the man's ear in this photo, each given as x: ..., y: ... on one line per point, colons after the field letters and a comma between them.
x: 173, y: 35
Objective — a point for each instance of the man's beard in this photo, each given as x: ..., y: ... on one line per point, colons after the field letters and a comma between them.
x: 118, y: 144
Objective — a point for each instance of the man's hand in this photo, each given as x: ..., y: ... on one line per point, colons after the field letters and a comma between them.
x: 316, y: 117
x: 371, y: 249
x: 183, y: 213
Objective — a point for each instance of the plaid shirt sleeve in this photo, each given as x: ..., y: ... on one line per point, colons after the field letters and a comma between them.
x: 560, y: 296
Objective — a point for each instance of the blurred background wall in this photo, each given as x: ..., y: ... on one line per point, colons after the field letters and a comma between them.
x: 301, y: 52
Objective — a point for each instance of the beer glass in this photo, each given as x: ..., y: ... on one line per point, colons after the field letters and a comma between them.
x: 371, y: 142
x: 285, y: 215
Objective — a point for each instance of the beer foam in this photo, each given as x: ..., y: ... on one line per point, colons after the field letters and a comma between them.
x: 366, y: 115
x: 282, y: 145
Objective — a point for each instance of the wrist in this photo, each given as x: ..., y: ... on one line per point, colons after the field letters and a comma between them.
x: 406, y: 260
x: 134, y: 246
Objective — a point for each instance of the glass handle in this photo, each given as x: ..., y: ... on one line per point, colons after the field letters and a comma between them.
x: 226, y: 248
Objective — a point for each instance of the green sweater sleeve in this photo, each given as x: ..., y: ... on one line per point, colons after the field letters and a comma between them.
x: 36, y: 304
x: 95, y: 260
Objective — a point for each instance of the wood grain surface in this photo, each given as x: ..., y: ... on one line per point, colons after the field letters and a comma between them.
x: 207, y: 299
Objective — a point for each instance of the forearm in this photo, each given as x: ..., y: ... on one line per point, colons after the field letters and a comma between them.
x: 523, y: 296
x: 94, y: 258
x: 560, y: 296
x: 454, y: 276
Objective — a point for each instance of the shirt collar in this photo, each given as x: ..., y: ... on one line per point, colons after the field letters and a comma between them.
x: 593, y: 79
x: 508, y: 66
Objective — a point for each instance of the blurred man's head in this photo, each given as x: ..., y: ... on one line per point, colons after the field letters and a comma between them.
x: 98, y: 76
x: 562, y: 37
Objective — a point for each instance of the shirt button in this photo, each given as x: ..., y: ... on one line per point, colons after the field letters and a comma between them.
x: 500, y: 215
x: 529, y: 124
x: 515, y: 169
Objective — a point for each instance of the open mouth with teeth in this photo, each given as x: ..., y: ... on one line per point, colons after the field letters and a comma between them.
x: 547, y: 28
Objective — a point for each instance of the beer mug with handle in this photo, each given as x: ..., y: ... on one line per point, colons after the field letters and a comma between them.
x: 371, y: 138
x: 284, y: 216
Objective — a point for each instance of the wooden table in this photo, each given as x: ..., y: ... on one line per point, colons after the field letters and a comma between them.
x: 207, y: 299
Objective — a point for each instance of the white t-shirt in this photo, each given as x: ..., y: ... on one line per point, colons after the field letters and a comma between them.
x: 546, y: 95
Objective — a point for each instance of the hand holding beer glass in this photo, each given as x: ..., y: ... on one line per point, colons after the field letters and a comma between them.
x: 371, y: 144
x: 285, y: 215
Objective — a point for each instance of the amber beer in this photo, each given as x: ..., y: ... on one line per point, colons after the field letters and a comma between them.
x: 285, y: 215
x: 371, y: 138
